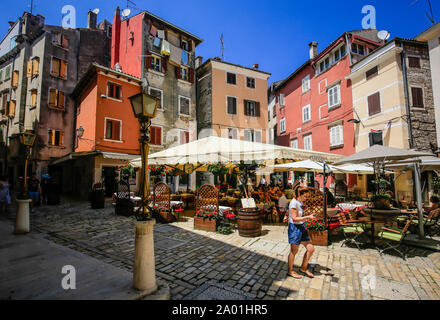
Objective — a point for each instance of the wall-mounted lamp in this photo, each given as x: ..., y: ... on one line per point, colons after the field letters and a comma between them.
x: 80, y: 132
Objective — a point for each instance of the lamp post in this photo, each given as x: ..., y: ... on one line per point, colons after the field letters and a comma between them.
x: 144, y: 275
x: 27, y: 138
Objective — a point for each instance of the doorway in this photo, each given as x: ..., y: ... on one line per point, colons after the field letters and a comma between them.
x: 109, y: 180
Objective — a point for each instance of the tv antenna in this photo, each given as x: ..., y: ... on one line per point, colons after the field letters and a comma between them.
x: 429, y: 15
x: 383, y: 35
x: 31, y: 6
x: 223, y: 48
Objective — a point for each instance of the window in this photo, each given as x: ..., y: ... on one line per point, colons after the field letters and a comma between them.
x: 232, y: 105
x: 184, y: 104
x: 184, y: 45
x: 414, y: 62
x: 114, y: 90
x: 32, y: 67
x: 417, y: 97
x: 7, y: 72
x: 250, y: 82
x: 324, y: 65
x: 375, y: 138
x: 308, y: 142
x: 252, y: 135
x: 60, y: 40
x: 184, y: 137
x: 232, y: 133
x: 158, y: 94
x: 306, y: 84
x: 336, y: 136
x: 56, y: 99
x: 343, y: 50
x: 4, y: 103
x: 334, y: 96
x: 55, y: 138
x: 327, y: 63
x: 1, y: 75
x: 274, y: 111
x: 251, y: 108
x: 33, y: 98
x: 374, y: 104
x: 371, y: 73
x: 358, y: 48
x: 184, y: 74
x: 156, y: 63
x: 306, y: 116
x: 113, y: 129
x: 15, y: 79
x: 156, y: 135
x: 337, y: 55
x: 59, y: 68
x: 231, y: 78
x: 283, y: 125
x: 282, y: 100
x: 294, y: 143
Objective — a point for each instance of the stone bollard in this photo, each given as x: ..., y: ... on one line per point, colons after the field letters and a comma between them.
x: 144, y: 275
x: 22, y: 224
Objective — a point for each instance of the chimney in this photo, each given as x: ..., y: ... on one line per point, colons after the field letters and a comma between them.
x: 199, y: 61
x: 255, y: 66
x: 313, y: 49
x: 116, y: 36
x: 91, y: 20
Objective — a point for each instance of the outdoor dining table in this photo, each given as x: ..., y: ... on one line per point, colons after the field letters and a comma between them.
x: 174, y: 203
x: 379, y: 216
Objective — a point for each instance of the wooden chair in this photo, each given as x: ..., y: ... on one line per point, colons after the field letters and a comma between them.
x: 394, y: 238
x: 207, y: 198
x: 351, y: 229
x: 429, y: 222
x: 123, y: 204
x: 161, y: 198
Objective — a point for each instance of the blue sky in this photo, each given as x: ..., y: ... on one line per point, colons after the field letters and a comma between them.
x: 272, y: 33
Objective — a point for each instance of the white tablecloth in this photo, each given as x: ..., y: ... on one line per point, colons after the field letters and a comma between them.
x: 349, y: 206
x: 176, y: 204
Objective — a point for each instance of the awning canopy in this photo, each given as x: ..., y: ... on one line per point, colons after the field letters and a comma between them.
x: 222, y: 150
x: 426, y: 164
x: 313, y: 166
x: 105, y: 155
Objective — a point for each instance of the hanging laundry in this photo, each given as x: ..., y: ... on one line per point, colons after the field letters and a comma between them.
x: 165, y: 49
x: 156, y: 42
x: 185, y: 57
x: 161, y: 34
x: 153, y: 31
x: 176, y: 54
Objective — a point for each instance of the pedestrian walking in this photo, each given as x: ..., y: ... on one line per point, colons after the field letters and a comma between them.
x: 45, y: 186
x: 34, y: 189
x: 298, y: 234
x: 5, y: 196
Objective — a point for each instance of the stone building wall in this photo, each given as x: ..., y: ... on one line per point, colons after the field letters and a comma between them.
x: 204, y: 99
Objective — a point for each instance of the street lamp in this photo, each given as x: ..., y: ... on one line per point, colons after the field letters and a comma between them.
x: 27, y: 138
x: 144, y: 273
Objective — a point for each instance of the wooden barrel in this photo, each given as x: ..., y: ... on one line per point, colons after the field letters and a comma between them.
x: 249, y: 222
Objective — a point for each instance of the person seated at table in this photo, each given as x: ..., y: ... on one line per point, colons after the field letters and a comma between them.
x: 280, y: 185
x: 331, y: 200
x: 282, y: 205
x: 435, y: 204
x: 223, y: 187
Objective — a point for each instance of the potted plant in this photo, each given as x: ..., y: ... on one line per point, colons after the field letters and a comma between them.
x: 205, y: 220
x: 435, y: 184
x: 317, y: 232
x: 98, y: 196
x: 381, y: 201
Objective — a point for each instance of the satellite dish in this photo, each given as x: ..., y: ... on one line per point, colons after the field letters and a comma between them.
x: 96, y: 11
x: 126, y: 12
x: 383, y: 35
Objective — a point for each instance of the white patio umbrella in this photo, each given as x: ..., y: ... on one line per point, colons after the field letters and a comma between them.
x: 378, y: 155
x: 301, y: 166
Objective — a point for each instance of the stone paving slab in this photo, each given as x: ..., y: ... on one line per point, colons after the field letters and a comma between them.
x: 189, y: 259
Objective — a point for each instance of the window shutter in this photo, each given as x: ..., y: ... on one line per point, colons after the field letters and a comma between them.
x: 51, y: 137
x: 35, y: 65
x: 29, y: 69
x: 63, y: 69
x: 61, y: 99
x: 414, y: 62
x: 417, y: 97
x: 148, y: 61
x: 245, y: 103
x: 257, y: 109
x: 191, y: 75
x: 257, y: 136
x: 116, y: 130
x: 158, y: 135
x: 33, y: 98
x: 11, y: 112
x: 189, y: 45
x: 164, y: 64
x: 186, y: 136
x: 53, y: 98
x: 55, y: 67
x: 178, y: 72
x: 61, y: 138
x: 65, y: 41
x: 374, y: 104
x: 371, y: 73
x: 15, y: 79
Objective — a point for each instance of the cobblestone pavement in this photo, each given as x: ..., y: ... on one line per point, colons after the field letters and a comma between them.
x: 189, y: 259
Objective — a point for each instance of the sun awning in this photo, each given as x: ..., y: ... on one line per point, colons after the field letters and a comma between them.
x: 118, y: 156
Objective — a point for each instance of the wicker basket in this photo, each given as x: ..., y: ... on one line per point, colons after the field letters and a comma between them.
x: 319, y: 238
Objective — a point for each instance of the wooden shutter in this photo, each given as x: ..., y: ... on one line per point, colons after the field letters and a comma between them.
x: 61, y: 99
x: 63, y: 69
x: 178, y: 75
x: 189, y: 45
x: 191, y: 75
x: 257, y: 109
x: 60, y: 142
x: 65, y: 41
x: 374, y: 104
x: 164, y: 65
x: 51, y: 137
x: 245, y: 102
x: 53, y: 98
x: 29, y: 69
x: 371, y: 73
x: 55, y: 67
x: 414, y: 62
x: 33, y: 98
x: 15, y: 79
x: 116, y: 130
x: 186, y: 136
x: 417, y: 97
x: 35, y: 65
x: 148, y: 61
x: 12, y: 105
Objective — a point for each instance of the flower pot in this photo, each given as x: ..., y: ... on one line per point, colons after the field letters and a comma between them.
x: 382, y: 203
x: 97, y: 199
x: 319, y: 238
x: 205, y: 224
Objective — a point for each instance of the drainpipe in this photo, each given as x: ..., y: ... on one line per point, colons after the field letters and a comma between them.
x: 405, y: 86
x: 348, y: 46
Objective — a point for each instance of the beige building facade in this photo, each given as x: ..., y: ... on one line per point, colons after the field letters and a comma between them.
x: 232, y: 101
